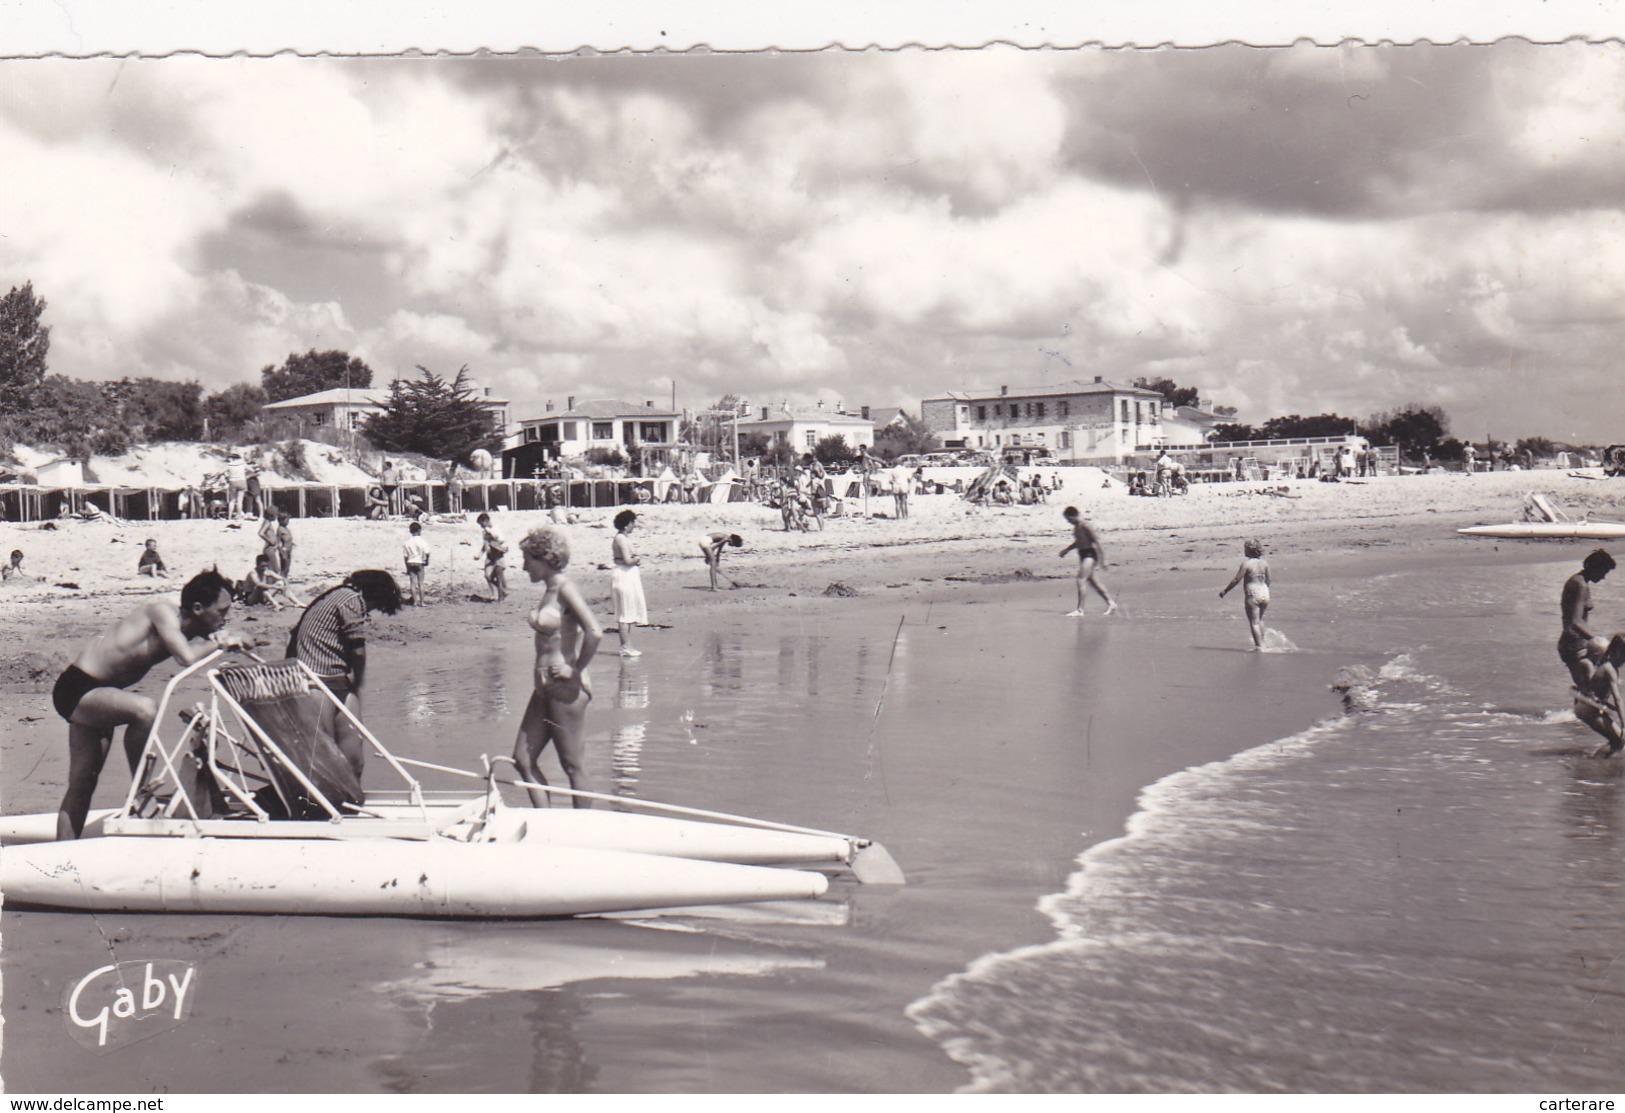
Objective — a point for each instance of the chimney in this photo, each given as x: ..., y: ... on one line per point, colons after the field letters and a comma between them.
x: 764, y: 413
x: 648, y: 404
x: 864, y: 410
x: 488, y: 392
x: 1003, y: 391
x: 570, y: 402
x: 1100, y: 378
x: 820, y: 403
x: 550, y: 405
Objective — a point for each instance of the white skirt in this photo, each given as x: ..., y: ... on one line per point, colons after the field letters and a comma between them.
x: 627, y: 588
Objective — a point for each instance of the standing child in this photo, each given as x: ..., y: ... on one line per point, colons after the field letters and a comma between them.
x: 417, y: 559
x: 284, y: 546
x: 1254, y: 577
x: 1091, y: 559
x: 492, y: 550
x: 267, y: 535
x: 151, y: 564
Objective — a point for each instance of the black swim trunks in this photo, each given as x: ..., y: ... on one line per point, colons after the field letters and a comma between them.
x: 70, y: 688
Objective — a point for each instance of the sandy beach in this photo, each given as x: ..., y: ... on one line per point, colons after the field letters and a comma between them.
x: 911, y: 680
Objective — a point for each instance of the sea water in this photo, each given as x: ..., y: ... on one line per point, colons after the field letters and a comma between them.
x: 1133, y: 863
x: 1423, y: 896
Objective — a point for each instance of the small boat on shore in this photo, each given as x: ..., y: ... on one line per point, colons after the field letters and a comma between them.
x: 236, y: 815
x: 1571, y: 531
x: 1544, y: 519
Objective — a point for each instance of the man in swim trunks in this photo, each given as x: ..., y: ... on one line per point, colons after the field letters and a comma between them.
x: 1090, y: 560
x: 1576, y: 611
x: 90, y: 694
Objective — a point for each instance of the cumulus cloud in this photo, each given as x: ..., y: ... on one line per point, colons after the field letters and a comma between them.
x: 1298, y: 230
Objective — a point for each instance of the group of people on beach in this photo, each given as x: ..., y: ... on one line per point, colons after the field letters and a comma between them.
x: 92, y: 693
x: 1253, y: 575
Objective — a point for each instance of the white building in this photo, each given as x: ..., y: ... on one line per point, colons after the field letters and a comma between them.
x: 802, y: 427
x: 599, y: 423
x: 348, y: 408
x: 1086, y: 422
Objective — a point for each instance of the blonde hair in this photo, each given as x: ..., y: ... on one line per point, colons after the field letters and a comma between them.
x: 547, y: 544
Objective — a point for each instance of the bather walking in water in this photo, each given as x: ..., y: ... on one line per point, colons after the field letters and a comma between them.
x: 567, y: 636
x: 1576, y: 611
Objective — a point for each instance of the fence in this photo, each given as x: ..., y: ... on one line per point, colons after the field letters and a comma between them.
x: 29, y: 503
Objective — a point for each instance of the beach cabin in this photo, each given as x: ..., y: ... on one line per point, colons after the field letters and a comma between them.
x: 61, y: 472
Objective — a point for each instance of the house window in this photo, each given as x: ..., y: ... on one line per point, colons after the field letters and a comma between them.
x: 812, y: 438
x: 981, y: 413
x: 1125, y: 411
x: 569, y: 430
x: 1040, y: 406
x: 654, y: 431
x: 530, y: 433
x: 317, y: 417
x: 603, y: 430
x: 1065, y: 439
x: 964, y: 413
x: 1152, y: 408
x: 1065, y: 407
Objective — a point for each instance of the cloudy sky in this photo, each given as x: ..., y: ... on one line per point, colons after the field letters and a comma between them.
x: 1291, y: 230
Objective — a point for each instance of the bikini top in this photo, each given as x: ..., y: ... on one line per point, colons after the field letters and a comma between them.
x: 548, y: 618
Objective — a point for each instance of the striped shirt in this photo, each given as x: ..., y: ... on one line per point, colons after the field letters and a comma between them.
x: 334, y: 624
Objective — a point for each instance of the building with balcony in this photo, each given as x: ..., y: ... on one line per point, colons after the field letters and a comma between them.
x: 1099, y: 422
x: 598, y: 423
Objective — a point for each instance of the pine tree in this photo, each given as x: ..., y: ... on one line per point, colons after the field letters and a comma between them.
x: 434, y: 417
x: 24, y: 343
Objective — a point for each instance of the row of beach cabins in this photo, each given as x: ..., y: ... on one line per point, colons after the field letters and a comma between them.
x: 21, y: 502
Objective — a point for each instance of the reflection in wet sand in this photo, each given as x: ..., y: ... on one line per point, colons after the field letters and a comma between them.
x: 626, y: 753
x: 519, y: 958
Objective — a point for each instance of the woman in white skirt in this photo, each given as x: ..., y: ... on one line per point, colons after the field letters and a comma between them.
x: 627, y: 584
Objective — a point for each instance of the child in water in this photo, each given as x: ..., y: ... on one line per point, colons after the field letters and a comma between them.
x: 1254, y: 577
x: 1597, y: 700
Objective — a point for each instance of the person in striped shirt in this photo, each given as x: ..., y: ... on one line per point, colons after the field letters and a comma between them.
x: 331, y: 639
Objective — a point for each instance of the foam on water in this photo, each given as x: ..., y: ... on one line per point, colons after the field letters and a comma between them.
x: 1417, y: 899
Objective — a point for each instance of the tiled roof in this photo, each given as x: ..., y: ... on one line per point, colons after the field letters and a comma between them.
x: 1072, y: 386
x: 604, y: 409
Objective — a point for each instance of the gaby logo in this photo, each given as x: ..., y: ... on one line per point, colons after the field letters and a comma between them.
x: 116, y: 1005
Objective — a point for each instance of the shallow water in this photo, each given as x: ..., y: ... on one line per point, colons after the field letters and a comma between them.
x: 1423, y: 898
x: 1409, y: 899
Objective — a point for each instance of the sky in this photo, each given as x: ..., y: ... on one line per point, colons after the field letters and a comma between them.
x: 1302, y: 230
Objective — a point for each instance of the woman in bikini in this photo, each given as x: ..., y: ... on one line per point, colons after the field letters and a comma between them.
x: 567, y: 636
x: 1576, y: 612
x: 1254, y: 577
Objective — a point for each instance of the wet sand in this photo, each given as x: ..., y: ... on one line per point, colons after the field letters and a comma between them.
x: 946, y: 708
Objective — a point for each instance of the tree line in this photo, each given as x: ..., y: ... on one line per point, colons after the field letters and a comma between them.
x: 433, y: 415
x: 442, y: 418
